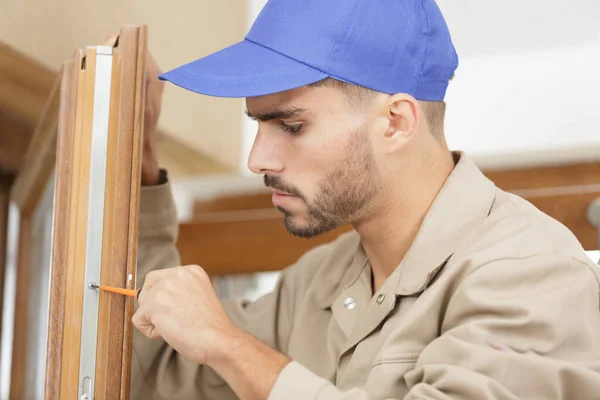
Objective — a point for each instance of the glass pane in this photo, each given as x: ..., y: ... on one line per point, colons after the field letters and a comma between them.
x: 8, y: 304
x: 40, y: 242
x: 40, y: 253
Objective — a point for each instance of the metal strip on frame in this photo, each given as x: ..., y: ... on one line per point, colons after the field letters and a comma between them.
x: 95, y: 221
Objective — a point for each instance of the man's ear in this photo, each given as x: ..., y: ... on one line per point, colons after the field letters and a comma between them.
x: 403, y: 116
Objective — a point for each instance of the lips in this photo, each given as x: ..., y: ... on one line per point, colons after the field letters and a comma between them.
x: 280, y: 193
x: 282, y: 199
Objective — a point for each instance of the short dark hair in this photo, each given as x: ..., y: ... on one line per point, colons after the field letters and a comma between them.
x: 435, y: 111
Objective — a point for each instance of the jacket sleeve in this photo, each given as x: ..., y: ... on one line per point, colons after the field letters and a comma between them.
x: 514, y: 329
x: 159, y: 372
x: 520, y: 328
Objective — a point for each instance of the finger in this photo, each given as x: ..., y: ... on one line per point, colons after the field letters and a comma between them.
x: 199, y: 272
x: 153, y: 278
x: 143, y: 325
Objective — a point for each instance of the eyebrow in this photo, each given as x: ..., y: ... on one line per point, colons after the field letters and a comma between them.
x: 276, y: 114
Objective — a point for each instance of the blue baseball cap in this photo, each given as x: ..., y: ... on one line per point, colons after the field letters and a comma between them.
x: 390, y: 46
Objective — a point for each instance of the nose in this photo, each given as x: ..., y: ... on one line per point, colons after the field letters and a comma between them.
x: 265, y: 155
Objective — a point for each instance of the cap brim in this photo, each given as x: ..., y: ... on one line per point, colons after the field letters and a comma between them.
x: 245, y: 69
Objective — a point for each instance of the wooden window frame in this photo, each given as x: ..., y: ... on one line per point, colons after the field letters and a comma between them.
x: 62, y: 142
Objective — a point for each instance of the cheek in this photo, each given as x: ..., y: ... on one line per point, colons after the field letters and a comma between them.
x: 304, y: 171
x: 311, y: 156
x: 308, y: 147
x: 321, y: 148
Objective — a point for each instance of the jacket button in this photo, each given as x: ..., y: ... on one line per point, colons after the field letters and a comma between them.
x: 349, y: 303
x: 380, y: 298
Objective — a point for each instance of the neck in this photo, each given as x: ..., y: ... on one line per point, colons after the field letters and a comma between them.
x: 389, y: 232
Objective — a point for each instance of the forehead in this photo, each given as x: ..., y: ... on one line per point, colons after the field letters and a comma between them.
x: 315, y: 99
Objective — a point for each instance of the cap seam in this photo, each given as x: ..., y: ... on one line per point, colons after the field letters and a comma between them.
x: 418, y: 83
x: 291, y: 58
x: 351, y: 18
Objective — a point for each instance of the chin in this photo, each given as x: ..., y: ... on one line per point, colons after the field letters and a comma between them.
x: 296, y: 225
x: 302, y: 228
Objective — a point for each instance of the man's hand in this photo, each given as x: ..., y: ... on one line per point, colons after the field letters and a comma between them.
x: 180, y: 306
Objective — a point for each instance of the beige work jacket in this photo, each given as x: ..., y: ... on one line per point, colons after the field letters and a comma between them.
x: 494, y: 300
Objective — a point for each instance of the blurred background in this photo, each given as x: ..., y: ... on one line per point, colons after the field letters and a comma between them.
x: 525, y: 92
x: 524, y: 104
x: 527, y: 81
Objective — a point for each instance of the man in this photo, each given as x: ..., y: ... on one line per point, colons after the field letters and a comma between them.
x: 447, y: 288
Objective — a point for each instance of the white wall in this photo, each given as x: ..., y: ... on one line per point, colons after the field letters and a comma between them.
x: 490, y: 27
x: 537, y: 106
x: 526, y: 88
x: 179, y: 32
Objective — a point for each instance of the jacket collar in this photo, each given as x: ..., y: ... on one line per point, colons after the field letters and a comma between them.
x: 462, y: 204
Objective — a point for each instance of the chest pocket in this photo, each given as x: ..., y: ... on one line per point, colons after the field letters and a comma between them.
x: 393, y: 342
x: 377, y: 368
x: 394, y: 352
x: 386, y: 379
x: 395, y: 345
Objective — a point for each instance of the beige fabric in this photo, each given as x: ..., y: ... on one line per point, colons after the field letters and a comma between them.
x: 494, y: 300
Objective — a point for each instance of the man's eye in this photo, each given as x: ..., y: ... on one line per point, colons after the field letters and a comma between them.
x: 293, y: 129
